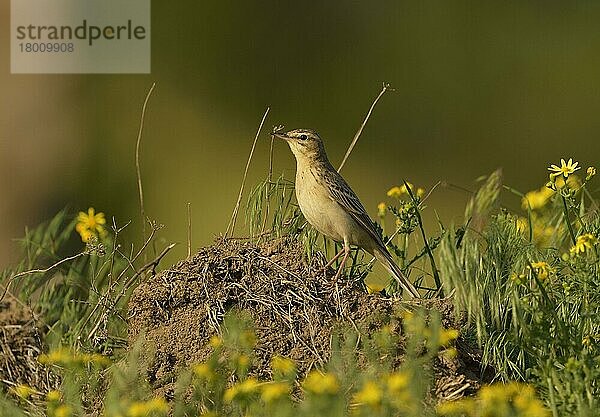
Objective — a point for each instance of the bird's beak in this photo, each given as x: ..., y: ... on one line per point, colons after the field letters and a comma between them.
x: 281, y: 135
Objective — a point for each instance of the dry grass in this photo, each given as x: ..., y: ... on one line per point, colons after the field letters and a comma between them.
x: 21, y: 342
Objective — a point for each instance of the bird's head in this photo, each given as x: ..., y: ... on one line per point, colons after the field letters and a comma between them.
x: 304, y: 143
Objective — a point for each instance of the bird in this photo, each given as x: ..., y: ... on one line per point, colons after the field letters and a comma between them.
x: 330, y: 206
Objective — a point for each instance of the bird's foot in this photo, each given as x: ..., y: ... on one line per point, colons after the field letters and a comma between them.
x: 332, y: 260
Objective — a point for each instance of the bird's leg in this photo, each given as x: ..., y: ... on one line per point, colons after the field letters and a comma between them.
x: 346, y: 253
x: 333, y: 259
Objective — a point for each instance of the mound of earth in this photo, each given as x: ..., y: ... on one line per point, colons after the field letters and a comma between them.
x: 294, y: 303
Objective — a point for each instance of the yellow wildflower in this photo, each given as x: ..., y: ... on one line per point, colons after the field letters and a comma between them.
x: 523, y: 398
x: 395, y: 192
x: 447, y: 336
x: 283, y: 365
x: 530, y: 406
x: 403, y: 188
x: 63, y: 356
x: 98, y: 359
x: 137, y: 409
x: 319, y: 383
x: 586, y: 341
x: 215, y: 341
x: 370, y: 394
x: 590, y: 340
x: 56, y: 357
x: 573, y: 182
x: 542, y: 269
x: 386, y: 330
x: 381, y: 209
x: 23, y: 391
x: 243, y: 360
x: 522, y: 224
x: 203, y: 370
x: 464, y: 406
x: 247, y: 386
x: 591, y: 171
x: 374, y: 287
x: 158, y: 404
x: 90, y: 224
x: 63, y: 410
x: 450, y: 353
x: 399, y: 191
x: 565, y: 169
x: 274, y: 390
x: 518, y: 278
x: 501, y: 398
x: 83, y: 232
x: 408, y: 315
x: 145, y: 408
x: 397, y: 381
x: 584, y: 242
x: 537, y: 199
x: 53, y: 396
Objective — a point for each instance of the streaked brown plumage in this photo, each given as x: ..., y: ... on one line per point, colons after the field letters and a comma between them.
x: 330, y: 205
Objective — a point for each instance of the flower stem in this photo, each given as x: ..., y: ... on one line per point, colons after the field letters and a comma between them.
x: 569, y: 226
x: 434, y: 270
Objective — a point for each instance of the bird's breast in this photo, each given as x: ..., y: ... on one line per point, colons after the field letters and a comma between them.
x: 323, y: 213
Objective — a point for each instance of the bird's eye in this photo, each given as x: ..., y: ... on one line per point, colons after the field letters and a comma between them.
x: 303, y: 137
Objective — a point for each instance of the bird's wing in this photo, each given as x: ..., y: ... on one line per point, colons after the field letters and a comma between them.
x: 340, y: 192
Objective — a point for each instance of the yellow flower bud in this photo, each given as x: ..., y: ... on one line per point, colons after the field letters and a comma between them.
x: 370, y: 394
x: 283, y: 365
x: 319, y: 383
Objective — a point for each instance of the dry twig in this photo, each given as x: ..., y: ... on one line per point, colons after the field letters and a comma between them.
x: 189, y: 240
x: 385, y: 88
x: 137, y: 161
x: 231, y: 225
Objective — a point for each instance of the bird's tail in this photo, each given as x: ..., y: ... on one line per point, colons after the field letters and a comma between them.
x: 385, y: 258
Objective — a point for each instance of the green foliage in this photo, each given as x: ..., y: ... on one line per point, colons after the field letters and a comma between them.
x: 10, y: 408
x: 83, y: 297
x: 533, y: 307
x: 414, y: 251
x: 499, y: 400
x: 271, y: 208
x: 41, y: 247
x: 483, y: 289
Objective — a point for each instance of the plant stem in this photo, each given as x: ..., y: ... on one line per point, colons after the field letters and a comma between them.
x: 231, y: 226
x: 552, y: 400
x: 137, y: 161
x: 436, y: 275
x: 385, y: 88
x: 569, y: 226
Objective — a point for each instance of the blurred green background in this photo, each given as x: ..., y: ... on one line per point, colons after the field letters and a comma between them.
x: 479, y: 85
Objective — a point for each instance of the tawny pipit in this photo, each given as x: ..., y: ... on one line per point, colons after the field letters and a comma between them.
x: 330, y: 205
